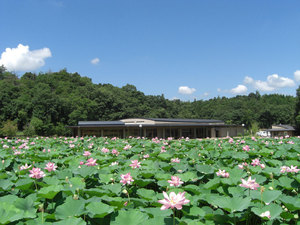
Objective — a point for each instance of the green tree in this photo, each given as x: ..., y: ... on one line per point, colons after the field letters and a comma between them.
x: 9, y: 128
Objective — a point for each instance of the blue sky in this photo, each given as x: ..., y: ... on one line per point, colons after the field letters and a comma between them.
x: 182, y: 49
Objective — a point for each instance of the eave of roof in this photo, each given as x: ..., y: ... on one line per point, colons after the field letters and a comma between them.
x: 273, y: 130
x: 88, y: 123
x: 186, y: 120
x: 152, y: 125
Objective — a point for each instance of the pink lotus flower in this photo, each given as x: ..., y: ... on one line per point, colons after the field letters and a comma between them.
x: 114, y: 164
x: 50, y: 167
x: 262, y: 166
x: 286, y: 169
x: 249, y: 184
x: 246, y: 148
x: 135, y: 164
x: 241, y: 166
x: 163, y: 149
x: 36, y: 173
x: 18, y: 152
x: 114, y: 152
x: 25, y: 167
x: 91, y: 162
x: 86, y: 153
x: 173, y: 201
x: 266, y: 214
x: 222, y: 173
x: 146, y: 156
x: 127, y: 147
x: 126, y: 179
x: 175, y: 181
x: 255, y: 162
x: 105, y: 150
x: 176, y: 160
x: 81, y: 163
x: 293, y: 169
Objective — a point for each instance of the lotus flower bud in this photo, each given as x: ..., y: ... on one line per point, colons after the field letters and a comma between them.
x: 75, y: 197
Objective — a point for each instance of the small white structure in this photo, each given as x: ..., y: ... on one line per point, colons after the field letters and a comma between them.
x: 263, y: 133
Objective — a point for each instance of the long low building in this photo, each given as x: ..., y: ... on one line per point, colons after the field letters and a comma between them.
x: 157, y: 127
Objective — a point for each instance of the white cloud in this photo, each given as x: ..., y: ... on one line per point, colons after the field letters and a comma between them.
x: 95, y: 61
x: 240, y: 89
x: 205, y: 94
x: 22, y: 59
x: 279, y: 82
x: 272, y: 83
x: 185, y: 90
x: 219, y: 90
x: 297, y: 75
x: 248, y: 80
x: 262, y: 86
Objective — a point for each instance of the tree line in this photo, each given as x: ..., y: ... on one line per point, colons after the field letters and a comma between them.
x: 45, y: 103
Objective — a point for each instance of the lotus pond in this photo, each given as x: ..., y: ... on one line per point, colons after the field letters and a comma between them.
x: 131, y: 181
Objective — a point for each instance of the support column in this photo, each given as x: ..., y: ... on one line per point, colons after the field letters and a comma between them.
x: 213, y: 132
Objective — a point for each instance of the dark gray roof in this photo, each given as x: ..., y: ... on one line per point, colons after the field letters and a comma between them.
x: 100, y: 123
x: 283, y: 128
x: 186, y: 120
x: 172, y: 122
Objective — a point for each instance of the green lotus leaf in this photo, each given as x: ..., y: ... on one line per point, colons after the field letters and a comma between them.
x: 70, y: 208
x: 292, y: 203
x: 98, y: 209
x: 9, y: 213
x: 268, y: 196
x: 206, y: 169
x: 212, y: 184
x: 50, y: 192
x: 132, y: 217
x: 24, y: 184
x: 146, y: 194
x: 274, y: 210
x: 165, y: 156
x: 234, y: 204
x: 71, y: 220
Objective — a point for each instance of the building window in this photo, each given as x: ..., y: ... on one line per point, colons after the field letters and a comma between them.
x: 113, y: 133
x: 172, y: 132
x: 187, y: 132
x: 133, y: 132
x: 202, y: 132
x: 91, y: 132
x: 151, y: 132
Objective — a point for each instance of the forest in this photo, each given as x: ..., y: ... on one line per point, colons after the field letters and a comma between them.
x: 46, y: 103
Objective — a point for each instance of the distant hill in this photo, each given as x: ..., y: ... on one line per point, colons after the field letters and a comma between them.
x: 44, y: 103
